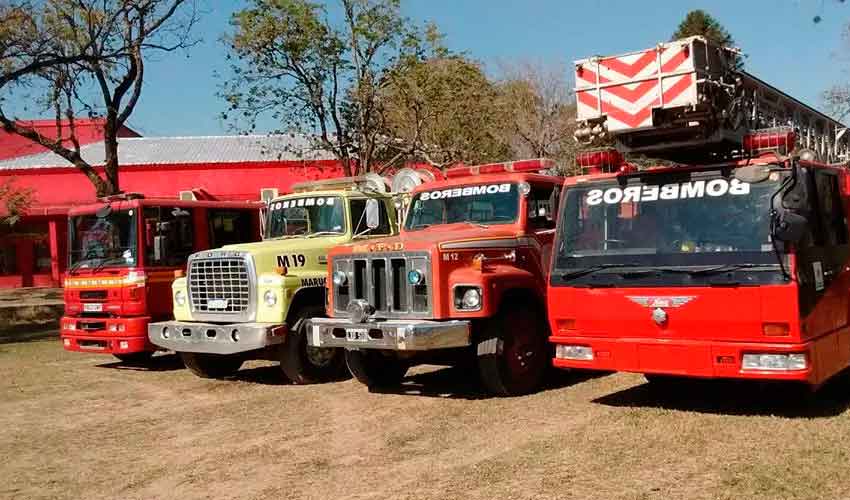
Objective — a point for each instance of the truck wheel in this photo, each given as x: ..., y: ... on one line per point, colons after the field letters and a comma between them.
x: 135, y: 358
x: 373, y: 369
x: 211, y: 365
x: 303, y: 364
x: 513, y: 354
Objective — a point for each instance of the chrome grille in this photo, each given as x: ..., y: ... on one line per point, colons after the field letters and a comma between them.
x: 382, y: 280
x: 221, y: 286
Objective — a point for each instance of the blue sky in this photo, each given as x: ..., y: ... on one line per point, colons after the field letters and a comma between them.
x: 785, y: 47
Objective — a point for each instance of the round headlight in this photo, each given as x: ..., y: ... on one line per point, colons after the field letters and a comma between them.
x: 340, y: 278
x: 270, y: 298
x: 415, y: 277
x: 471, y: 299
x: 180, y: 298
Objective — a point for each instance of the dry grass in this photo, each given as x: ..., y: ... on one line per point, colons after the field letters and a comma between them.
x: 81, y: 426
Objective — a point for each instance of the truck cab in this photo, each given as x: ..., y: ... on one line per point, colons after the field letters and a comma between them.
x: 249, y: 301
x: 123, y: 255
x: 731, y: 270
x: 465, y: 280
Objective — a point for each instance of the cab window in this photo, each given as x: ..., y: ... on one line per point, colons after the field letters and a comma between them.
x: 358, y: 218
x: 169, y: 235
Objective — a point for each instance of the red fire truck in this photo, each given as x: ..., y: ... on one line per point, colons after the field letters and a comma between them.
x: 728, y: 261
x: 123, y: 255
x: 465, y: 281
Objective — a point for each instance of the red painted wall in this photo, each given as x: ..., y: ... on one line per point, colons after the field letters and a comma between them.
x: 88, y: 131
x: 56, y: 189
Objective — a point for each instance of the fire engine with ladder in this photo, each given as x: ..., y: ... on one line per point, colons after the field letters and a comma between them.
x: 730, y: 258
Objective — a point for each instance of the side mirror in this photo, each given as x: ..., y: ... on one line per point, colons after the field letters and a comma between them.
x: 373, y: 213
x: 789, y: 227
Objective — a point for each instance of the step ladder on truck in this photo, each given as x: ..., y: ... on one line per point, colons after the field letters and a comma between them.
x: 729, y: 258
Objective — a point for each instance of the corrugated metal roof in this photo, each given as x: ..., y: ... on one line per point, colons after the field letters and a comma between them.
x: 182, y: 150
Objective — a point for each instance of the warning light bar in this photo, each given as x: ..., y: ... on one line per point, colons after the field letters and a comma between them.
x: 371, y: 182
x: 781, y: 140
x: 600, y: 161
x: 518, y: 166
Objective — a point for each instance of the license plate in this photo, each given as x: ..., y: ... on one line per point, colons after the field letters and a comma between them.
x: 217, y: 303
x: 92, y: 308
x: 356, y: 334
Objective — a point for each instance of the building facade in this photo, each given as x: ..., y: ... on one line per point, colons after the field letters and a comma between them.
x: 236, y: 168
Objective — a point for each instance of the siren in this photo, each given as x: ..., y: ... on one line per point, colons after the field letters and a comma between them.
x: 601, y: 161
x: 535, y: 165
x: 781, y: 140
x: 406, y: 179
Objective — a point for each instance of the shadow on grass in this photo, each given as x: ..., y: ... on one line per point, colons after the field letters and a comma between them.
x: 266, y: 375
x: 733, y: 397
x: 158, y: 363
x: 29, y: 333
x: 463, y: 383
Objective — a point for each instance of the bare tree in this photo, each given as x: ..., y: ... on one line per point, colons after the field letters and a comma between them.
x: 84, y: 57
x: 538, y: 111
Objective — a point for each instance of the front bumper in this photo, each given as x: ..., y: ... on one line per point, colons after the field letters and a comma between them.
x: 395, y: 335
x: 686, y: 357
x: 105, y: 335
x: 212, y: 338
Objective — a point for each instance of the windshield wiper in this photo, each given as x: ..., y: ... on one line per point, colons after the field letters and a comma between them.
x: 477, y: 224
x: 716, y: 269
x: 592, y: 269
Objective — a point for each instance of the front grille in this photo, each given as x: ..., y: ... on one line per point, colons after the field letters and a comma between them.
x: 382, y: 281
x: 93, y: 294
x: 221, y: 286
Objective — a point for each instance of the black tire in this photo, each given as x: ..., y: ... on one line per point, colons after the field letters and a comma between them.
x: 375, y: 369
x: 513, y: 351
x: 135, y: 358
x: 211, y: 365
x: 303, y: 364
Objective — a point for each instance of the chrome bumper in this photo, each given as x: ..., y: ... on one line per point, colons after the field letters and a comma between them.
x: 396, y: 335
x: 215, y: 338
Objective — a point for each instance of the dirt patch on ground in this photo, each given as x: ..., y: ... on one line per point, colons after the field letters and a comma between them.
x: 82, y: 426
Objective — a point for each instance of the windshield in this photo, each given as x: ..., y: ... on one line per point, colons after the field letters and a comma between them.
x: 306, y: 215
x: 103, y: 241
x: 674, y: 220
x: 481, y: 204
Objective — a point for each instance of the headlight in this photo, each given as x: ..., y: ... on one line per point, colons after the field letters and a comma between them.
x: 774, y: 362
x: 467, y: 298
x: 471, y: 299
x: 270, y: 298
x: 415, y: 277
x: 180, y: 298
x: 576, y: 352
x: 339, y: 278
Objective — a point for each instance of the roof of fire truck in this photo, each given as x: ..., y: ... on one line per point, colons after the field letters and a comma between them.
x: 134, y: 200
x: 512, y: 171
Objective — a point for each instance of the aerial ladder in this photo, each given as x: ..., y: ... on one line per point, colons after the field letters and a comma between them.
x: 689, y: 101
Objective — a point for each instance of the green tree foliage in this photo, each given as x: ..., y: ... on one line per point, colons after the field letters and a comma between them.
x: 371, y: 86
x: 699, y: 22
x: 84, y: 57
x: 442, y: 110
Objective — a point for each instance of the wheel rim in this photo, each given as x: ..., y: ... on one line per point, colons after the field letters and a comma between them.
x: 320, y: 356
x: 521, y: 347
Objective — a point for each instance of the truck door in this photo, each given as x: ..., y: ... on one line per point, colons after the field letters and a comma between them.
x: 542, y: 207
x: 168, y: 241
x: 822, y: 257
